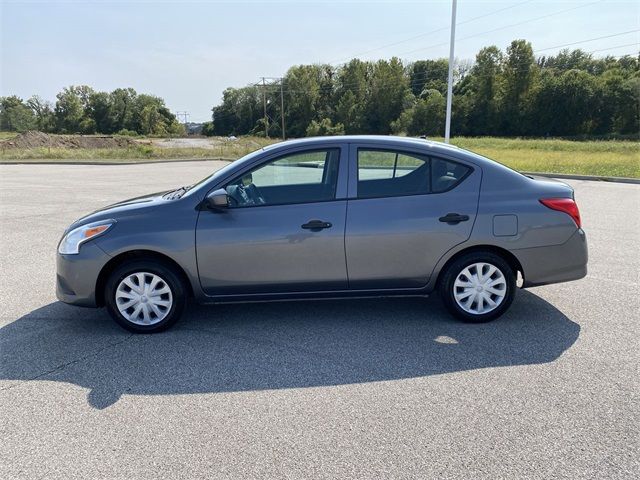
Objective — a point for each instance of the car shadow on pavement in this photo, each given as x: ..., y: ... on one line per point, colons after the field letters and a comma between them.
x: 230, y: 348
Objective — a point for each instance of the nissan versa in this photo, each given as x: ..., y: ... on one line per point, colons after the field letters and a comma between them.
x: 348, y: 216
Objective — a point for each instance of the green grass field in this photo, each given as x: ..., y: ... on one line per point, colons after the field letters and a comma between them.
x: 612, y: 158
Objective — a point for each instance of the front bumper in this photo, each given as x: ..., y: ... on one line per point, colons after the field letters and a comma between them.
x: 556, y: 263
x: 77, y: 275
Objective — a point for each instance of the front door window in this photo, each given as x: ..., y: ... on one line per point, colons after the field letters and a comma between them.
x: 303, y: 177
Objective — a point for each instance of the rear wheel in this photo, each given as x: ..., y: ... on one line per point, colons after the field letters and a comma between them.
x: 145, y: 296
x: 478, y: 287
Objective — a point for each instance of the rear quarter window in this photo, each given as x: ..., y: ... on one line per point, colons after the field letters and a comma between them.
x: 446, y: 175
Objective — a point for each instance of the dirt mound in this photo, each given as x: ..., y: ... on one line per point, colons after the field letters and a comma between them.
x: 39, y: 139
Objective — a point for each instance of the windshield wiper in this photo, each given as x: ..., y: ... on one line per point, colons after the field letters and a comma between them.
x: 177, y: 193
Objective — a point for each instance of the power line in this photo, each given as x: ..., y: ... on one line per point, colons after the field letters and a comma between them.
x: 588, y: 40
x: 635, y: 44
x: 505, y: 27
x: 423, y: 76
x: 382, y: 47
x: 324, y: 88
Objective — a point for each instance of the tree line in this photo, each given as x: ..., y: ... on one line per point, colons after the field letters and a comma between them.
x: 512, y: 93
x: 81, y: 109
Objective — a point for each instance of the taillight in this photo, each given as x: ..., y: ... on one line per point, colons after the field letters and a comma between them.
x: 566, y: 205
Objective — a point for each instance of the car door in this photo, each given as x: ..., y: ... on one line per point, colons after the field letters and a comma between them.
x: 405, y: 210
x: 283, y: 230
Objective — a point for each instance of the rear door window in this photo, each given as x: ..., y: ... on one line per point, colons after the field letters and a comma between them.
x: 387, y: 173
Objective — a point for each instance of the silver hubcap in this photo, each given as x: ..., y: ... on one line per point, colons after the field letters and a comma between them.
x: 143, y: 298
x: 480, y: 288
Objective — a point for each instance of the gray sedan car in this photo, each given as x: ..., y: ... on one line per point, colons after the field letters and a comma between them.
x: 328, y: 217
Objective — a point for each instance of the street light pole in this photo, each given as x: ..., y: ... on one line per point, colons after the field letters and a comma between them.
x: 264, y: 104
x: 284, y: 136
x: 447, y: 127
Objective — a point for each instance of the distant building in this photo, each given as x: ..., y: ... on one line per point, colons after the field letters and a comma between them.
x: 193, y: 128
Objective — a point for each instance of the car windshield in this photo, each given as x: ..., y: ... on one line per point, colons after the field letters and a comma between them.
x: 218, y: 173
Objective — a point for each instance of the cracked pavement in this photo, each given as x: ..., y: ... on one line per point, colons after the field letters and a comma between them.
x: 389, y: 388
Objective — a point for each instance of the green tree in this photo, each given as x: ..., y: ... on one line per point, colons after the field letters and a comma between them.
x: 151, y: 116
x: 350, y: 92
x: 208, y: 129
x: 484, y: 89
x: 303, y: 97
x: 429, y: 75
x: 349, y: 113
x: 122, y: 104
x: 45, y: 120
x: 387, y: 96
x: 240, y: 110
x: 98, y: 108
x: 519, y: 74
x: 426, y: 117
x: 15, y: 115
x: 620, y: 102
x: 565, y: 105
x: 69, y: 111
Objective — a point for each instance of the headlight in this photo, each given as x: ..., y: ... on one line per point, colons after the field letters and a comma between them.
x: 70, y: 243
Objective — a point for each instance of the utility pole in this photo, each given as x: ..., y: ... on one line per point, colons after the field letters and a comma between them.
x: 185, y: 119
x: 264, y: 104
x: 184, y: 115
x: 284, y: 136
x: 273, y: 82
x: 447, y: 127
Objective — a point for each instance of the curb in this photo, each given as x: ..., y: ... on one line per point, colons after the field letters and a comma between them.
x: 139, y: 162
x: 593, y: 178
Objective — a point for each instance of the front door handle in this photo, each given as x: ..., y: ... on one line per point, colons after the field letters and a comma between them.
x: 453, y: 218
x: 316, y: 225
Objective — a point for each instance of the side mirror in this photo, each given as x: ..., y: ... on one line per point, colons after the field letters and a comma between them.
x: 218, y: 199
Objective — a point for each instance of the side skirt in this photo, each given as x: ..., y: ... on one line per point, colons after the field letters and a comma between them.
x: 320, y: 295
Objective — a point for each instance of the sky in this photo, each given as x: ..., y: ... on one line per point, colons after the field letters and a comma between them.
x: 188, y: 52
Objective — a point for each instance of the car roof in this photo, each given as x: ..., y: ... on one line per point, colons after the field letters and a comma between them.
x: 381, y: 139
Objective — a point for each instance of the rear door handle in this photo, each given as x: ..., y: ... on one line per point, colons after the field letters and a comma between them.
x: 316, y: 225
x: 453, y: 218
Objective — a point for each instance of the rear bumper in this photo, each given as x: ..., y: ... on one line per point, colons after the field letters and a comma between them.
x: 555, y: 264
x: 77, y: 275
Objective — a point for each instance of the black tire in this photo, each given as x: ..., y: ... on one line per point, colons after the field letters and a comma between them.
x: 167, y: 274
x: 448, y: 278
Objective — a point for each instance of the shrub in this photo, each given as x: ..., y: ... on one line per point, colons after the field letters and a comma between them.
x: 127, y: 133
x: 324, y: 128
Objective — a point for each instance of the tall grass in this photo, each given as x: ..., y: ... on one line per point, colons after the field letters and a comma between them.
x: 610, y: 158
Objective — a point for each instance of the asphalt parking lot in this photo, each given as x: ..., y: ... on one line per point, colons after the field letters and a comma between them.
x: 328, y: 389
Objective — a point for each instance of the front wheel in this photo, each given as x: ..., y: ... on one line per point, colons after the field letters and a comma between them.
x: 478, y: 287
x: 144, y: 296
